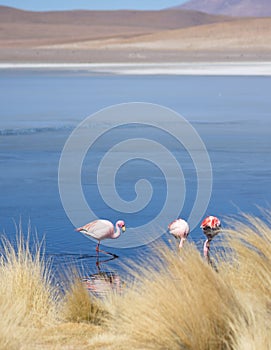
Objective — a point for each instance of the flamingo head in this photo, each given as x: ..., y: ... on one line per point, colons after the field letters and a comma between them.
x: 121, y: 224
x: 211, y: 226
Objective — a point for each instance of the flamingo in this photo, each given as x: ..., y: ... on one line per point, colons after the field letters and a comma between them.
x: 102, y: 229
x: 211, y: 226
x: 179, y: 229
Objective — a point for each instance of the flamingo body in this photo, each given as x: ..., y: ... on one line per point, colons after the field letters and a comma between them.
x: 179, y: 229
x: 102, y: 229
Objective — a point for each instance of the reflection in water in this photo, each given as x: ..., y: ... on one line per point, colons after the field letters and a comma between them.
x: 102, y: 283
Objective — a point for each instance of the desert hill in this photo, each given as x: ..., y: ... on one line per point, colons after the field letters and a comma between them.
x: 240, y: 34
x: 131, y: 36
x: 26, y: 28
x: 240, y: 8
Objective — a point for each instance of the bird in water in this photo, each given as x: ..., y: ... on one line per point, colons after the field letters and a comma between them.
x: 102, y: 229
x: 211, y: 226
x: 179, y: 229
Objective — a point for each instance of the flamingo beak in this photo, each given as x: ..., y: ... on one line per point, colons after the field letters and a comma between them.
x: 123, y: 228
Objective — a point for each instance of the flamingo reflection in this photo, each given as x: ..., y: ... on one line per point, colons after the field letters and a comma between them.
x: 103, y: 282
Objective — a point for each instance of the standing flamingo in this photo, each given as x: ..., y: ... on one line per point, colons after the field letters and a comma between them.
x: 102, y: 229
x: 179, y: 229
x: 211, y: 226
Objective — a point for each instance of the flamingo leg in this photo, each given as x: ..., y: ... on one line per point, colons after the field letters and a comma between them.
x: 98, y: 264
x: 98, y: 261
x: 98, y: 250
x: 112, y: 254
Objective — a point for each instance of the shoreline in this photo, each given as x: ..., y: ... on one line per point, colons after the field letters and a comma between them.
x: 245, y: 68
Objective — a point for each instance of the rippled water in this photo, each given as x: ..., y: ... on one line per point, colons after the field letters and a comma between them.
x: 39, y: 110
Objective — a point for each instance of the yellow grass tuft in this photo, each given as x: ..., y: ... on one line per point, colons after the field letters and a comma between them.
x: 27, y: 297
x: 181, y: 303
x: 248, y: 271
x: 80, y: 306
x: 250, y: 241
x: 177, y: 301
x: 26, y: 280
x: 12, y: 334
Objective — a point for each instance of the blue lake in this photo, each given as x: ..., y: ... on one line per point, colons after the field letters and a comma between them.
x: 40, y: 109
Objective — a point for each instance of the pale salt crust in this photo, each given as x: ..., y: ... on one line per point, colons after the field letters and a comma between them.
x: 220, y: 68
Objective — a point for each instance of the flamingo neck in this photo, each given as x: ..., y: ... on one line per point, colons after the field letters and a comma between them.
x: 182, y: 242
x: 117, y: 232
x: 206, y: 248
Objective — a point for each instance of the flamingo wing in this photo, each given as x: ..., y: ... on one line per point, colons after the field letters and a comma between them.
x: 173, y: 225
x: 98, y: 229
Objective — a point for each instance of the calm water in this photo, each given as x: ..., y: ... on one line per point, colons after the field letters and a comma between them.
x: 40, y: 109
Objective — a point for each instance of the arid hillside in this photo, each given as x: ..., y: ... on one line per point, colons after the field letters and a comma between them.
x: 27, y: 29
x: 131, y: 36
x: 240, y: 8
x: 252, y: 34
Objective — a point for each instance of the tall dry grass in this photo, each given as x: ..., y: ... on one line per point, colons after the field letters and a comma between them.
x: 32, y: 307
x: 180, y: 303
x: 27, y: 296
x: 176, y: 300
x: 80, y: 306
x: 248, y: 271
x: 26, y: 280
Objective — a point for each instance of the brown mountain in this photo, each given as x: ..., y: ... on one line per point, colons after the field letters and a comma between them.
x: 253, y: 34
x: 240, y: 8
x: 26, y: 28
x: 130, y: 36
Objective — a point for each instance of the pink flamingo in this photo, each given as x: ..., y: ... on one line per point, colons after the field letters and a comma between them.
x: 211, y: 226
x: 102, y: 229
x: 179, y: 229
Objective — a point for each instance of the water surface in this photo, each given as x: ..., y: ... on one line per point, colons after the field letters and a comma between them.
x: 39, y: 110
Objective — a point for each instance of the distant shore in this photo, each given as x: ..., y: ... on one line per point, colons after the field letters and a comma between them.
x: 136, y: 42
x: 194, y: 68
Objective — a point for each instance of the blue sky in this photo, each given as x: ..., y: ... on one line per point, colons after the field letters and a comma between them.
x: 46, y: 5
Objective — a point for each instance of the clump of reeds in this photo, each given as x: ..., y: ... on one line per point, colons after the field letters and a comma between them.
x: 80, y: 306
x: 11, y: 332
x: 30, y: 303
x: 26, y: 279
x: 180, y: 303
x: 176, y: 300
x: 250, y: 242
x: 248, y: 271
x: 27, y: 296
